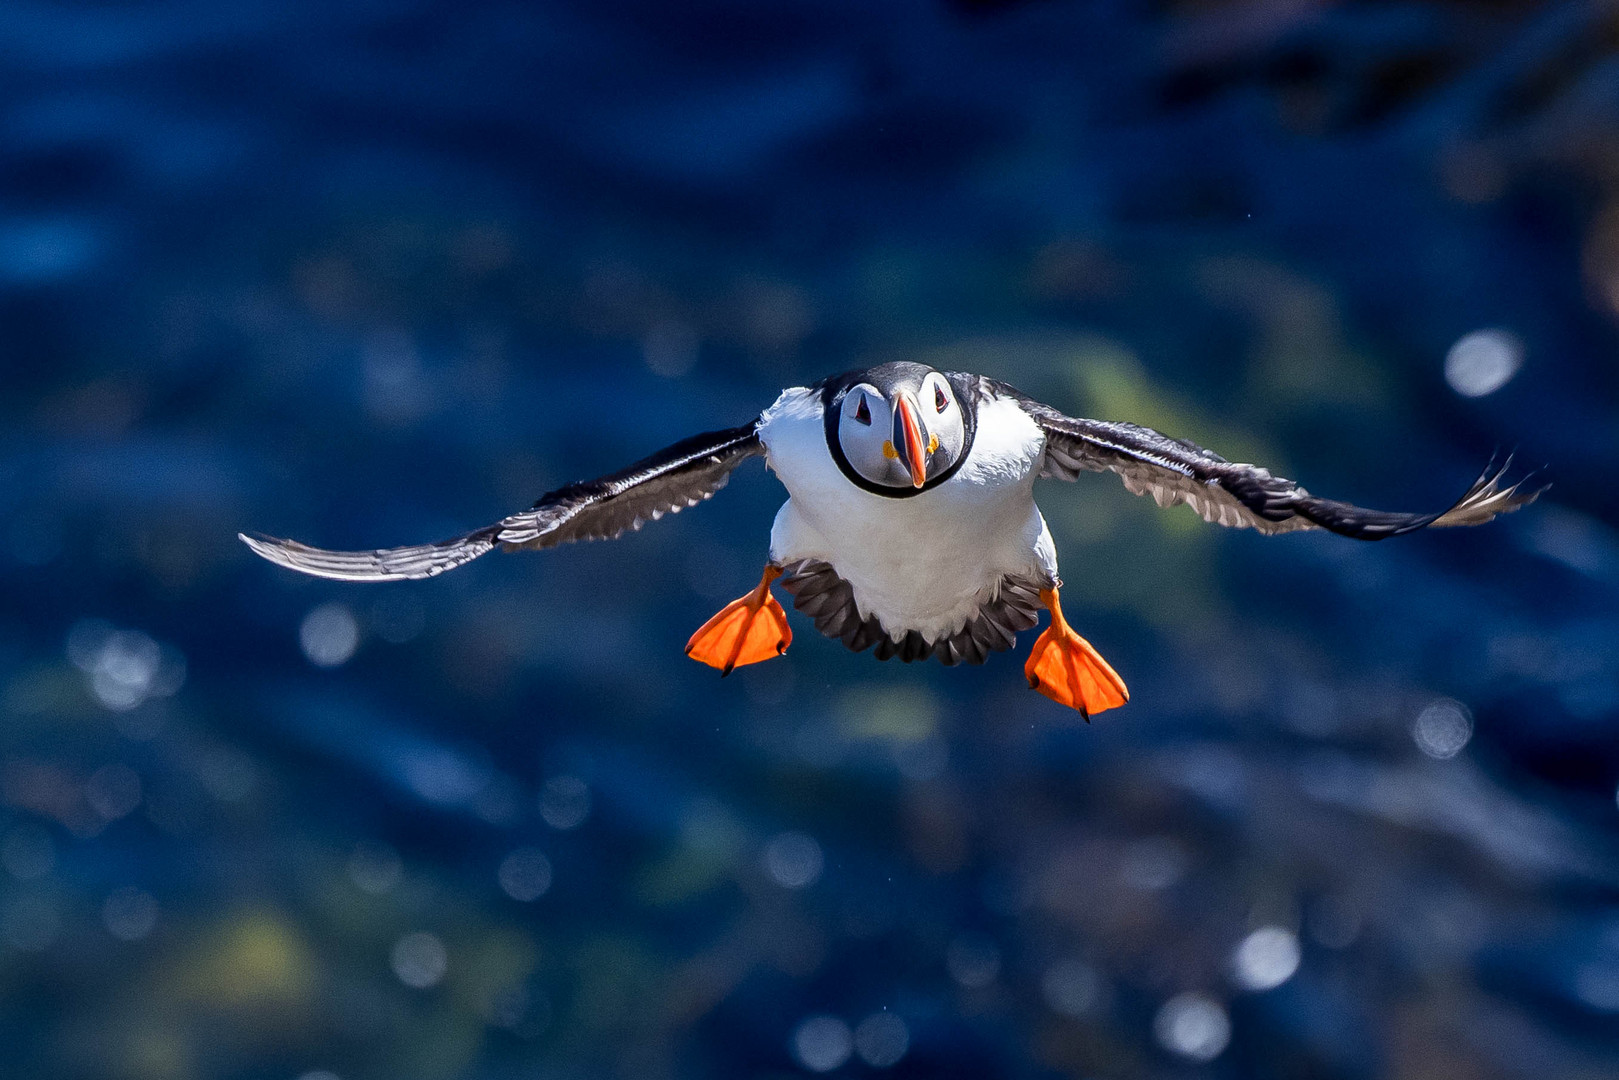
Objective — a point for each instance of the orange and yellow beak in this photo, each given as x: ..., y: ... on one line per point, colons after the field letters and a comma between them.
x: 908, y: 435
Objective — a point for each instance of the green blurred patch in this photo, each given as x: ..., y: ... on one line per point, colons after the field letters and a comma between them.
x: 1300, y: 358
x: 239, y: 988
x: 712, y: 839
x: 46, y: 697
x: 1092, y: 375
x: 614, y: 991
x: 681, y: 875
x: 1114, y: 386
x: 158, y: 1052
x: 1118, y: 551
x: 1163, y: 573
x: 438, y: 1046
x: 900, y: 714
x: 485, y: 969
x: 256, y: 960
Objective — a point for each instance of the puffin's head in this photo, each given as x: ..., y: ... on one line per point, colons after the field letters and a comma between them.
x: 897, y: 427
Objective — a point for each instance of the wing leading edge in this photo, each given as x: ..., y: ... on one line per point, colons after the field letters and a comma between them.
x: 667, y: 482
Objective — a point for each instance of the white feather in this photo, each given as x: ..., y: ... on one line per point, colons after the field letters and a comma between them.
x: 923, y: 563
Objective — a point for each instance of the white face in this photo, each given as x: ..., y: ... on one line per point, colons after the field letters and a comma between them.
x: 903, y: 440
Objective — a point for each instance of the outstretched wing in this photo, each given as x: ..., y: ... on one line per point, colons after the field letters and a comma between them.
x: 667, y: 482
x: 1175, y: 471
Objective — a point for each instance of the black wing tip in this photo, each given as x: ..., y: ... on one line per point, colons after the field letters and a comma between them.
x: 1485, y: 499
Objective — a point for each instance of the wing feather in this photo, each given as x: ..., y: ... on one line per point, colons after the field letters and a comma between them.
x: 667, y: 482
x: 1235, y: 494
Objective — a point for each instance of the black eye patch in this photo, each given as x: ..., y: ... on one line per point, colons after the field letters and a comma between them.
x: 862, y: 413
x: 940, y: 402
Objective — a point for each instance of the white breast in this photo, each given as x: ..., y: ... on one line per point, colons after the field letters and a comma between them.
x: 923, y: 563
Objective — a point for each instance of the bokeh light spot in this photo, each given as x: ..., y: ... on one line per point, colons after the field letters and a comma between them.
x: 123, y: 668
x: 1442, y: 729
x: 396, y: 389
x: 565, y: 802
x: 973, y: 961
x: 375, y: 868
x: 822, y: 1043
x: 514, y: 1008
x: 329, y: 635
x: 1193, y: 1025
x: 670, y: 348
x: 1266, y: 958
x: 793, y: 860
x: 881, y: 1040
x: 420, y: 960
x: 129, y: 913
x: 27, y: 852
x: 525, y: 874
x: 113, y: 791
x: 1482, y: 362
x: 1154, y: 863
x: 1071, y: 987
x: 1598, y: 986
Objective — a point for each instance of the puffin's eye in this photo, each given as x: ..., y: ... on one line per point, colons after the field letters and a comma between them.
x: 862, y: 413
x: 940, y: 402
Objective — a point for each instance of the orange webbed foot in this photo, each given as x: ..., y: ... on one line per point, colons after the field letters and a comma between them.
x: 1067, y: 669
x: 745, y: 631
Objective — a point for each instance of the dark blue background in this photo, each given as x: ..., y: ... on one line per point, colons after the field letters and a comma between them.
x: 368, y: 273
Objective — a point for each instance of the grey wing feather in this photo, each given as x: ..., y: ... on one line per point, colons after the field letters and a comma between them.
x: 819, y: 592
x: 667, y: 482
x: 383, y: 564
x: 1175, y: 471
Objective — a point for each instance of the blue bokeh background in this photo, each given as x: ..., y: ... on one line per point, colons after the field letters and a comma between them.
x: 368, y: 273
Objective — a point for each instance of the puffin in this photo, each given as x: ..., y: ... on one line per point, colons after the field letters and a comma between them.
x: 910, y: 525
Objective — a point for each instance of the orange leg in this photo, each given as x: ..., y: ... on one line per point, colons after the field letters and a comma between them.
x: 1064, y: 667
x: 745, y: 631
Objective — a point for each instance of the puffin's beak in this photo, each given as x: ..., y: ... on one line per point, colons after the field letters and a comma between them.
x: 909, y: 436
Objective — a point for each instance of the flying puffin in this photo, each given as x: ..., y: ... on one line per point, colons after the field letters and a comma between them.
x: 910, y: 523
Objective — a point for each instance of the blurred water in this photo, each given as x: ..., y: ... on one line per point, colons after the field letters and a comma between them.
x: 373, y: 273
